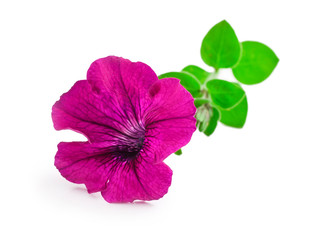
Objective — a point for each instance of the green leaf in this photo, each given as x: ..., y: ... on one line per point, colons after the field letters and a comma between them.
x: 235, y: 117
x: 198, y: 72
x: 187, y: 80
x: 212, y: 122
x: 198, y: 102
x: 256, y: 64
x: 224, y: 94
x: 178, y: 152
x: 220, y: 47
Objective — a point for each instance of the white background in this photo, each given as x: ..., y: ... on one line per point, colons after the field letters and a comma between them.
x: 265, y: 181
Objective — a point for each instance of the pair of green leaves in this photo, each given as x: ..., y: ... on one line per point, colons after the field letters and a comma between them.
x: 219, y: 100
x: 215, y: 99
x: 251, y: 62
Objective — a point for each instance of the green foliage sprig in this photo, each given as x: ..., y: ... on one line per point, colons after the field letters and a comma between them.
x: 219, y: 100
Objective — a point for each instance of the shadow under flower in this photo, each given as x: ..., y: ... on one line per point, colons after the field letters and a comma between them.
x: 81, y: 189
x: 135, y: 203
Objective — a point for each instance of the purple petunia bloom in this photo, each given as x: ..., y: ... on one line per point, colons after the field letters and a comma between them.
x: 132, y: 121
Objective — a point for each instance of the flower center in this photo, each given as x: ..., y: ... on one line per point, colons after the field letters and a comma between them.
x: 129, y: 146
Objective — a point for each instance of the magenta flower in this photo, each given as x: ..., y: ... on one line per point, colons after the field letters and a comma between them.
x: 132, y: 121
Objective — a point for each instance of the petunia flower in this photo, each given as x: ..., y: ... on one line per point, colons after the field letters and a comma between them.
x: 132, y: 121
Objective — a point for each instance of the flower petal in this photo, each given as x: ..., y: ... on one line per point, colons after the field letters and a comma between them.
x: 93, y: 165
x: 125, y: 81
x: 169, y: 120
x: 143, y: 181
x: 82, y: 162
x: 96, y: 116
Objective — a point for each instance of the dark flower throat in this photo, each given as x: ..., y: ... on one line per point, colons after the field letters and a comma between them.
x: 130, y: 145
